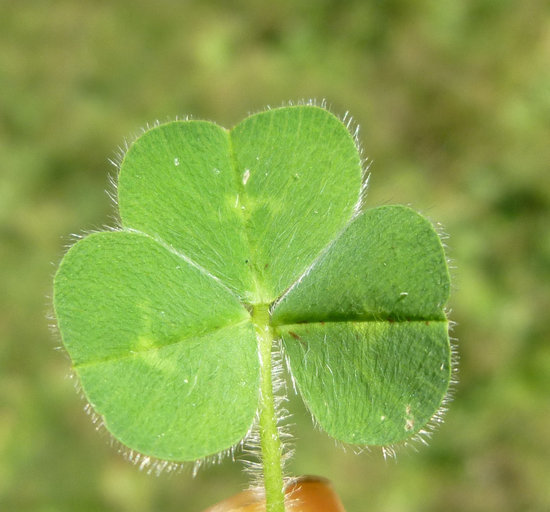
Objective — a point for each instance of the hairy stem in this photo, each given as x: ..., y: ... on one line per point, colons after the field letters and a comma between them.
x: 270, y: 441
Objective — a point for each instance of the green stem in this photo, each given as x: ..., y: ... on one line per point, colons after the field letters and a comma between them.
x: 270, y: 441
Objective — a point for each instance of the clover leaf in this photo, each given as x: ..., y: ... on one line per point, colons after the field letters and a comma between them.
x: 229, y: 239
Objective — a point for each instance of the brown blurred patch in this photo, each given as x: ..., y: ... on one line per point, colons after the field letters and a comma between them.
x: 304, y: 494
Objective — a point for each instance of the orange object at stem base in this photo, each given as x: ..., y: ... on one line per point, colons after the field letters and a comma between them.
x: 303, y: 494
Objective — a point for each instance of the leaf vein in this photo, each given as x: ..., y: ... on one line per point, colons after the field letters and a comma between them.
x: 140, y: 352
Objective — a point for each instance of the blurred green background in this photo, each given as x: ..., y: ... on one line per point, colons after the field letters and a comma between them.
x: 453, y: 99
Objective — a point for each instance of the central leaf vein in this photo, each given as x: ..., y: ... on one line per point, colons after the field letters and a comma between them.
x: 140, y: 351
x: 243, y: 207
x: 358, y: 320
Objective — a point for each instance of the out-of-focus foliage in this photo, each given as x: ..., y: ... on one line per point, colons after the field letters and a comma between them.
x: 453, y: 99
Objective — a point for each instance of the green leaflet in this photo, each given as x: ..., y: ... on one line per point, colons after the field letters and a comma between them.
x: 157, y: 344
x: 369, y: 349
x: 155, y: 315
x: 253, y: 206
